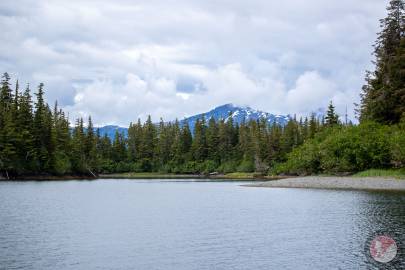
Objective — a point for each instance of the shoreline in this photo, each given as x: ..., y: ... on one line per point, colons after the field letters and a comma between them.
x: 213, y: 177
x: 48, y: 178
x: 340, y: 183
x: 146, y: 176
x: 311, y: 182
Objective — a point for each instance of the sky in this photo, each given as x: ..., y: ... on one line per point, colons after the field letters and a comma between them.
x: 123, y: 60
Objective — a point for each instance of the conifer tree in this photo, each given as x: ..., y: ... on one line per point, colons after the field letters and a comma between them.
x: 383, y: 95
x: 24, y: 122
x: 78, y: 151
x: 62, y: 163
x: 90, y: 149
x: 149, y: 142
x: 199, y: 144
x: 176, y: 155
x: 186, y: 140
x: 134, y: 141
x: 225, y: 146
x: 8, y: 151
x: 164, y: 143
x: 331, y: 117
x: 212, y: 141
x: 119, y: 150
x: 313, y: 126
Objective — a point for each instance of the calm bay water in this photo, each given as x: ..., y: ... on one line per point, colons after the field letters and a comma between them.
x: 135, y: 224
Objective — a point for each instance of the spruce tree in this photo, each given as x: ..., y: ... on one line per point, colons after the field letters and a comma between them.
x: 149, y: 141
x: 186, y: 141
x: 331, y: 117
x: 90, y: 149
x: 8, y: 151
x: 199, y: 145
x: 383, y: 95
x: 176, y: 155
x: 78, y: 151
x: 134, y: 141
x: 24, y: 122
x: 213, y: 141
x: 164, y: 144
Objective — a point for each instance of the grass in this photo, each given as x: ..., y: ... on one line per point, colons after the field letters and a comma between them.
x: 239, y: 175
x: 395, y: 173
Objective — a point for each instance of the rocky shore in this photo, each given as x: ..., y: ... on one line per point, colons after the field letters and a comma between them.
x: 355, y: 183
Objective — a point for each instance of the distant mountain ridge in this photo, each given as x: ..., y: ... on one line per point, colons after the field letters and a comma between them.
x: 110, y: 131
x: 238, y: 114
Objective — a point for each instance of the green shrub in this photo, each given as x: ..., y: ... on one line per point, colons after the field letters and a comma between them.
x: 397, y: 147
x: 247, y: 165
x: 122, y: 167
x: 301, y: 161
x: 347, y: 149
x: 62, y: 163
x: 209, y: 166
x: 190, y: 167
x: 356, y: 148
x: 228, y: 166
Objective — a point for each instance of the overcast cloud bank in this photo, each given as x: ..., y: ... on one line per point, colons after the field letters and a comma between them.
x: 121, y: 60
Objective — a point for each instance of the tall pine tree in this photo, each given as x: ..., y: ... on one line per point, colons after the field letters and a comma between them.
x: 383, y: 95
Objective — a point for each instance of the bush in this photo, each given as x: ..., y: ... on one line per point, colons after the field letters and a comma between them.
x: 62, y: 163
x: 123, y: 167
x: 301, y: 161
x: 190, y: 167
x: 347, y: 149
x: 247, y: 165
x: 356, y: 148
x: 209, y: 166
x: 397, y: 146
x: 228, y: 166
x: 106, y: 166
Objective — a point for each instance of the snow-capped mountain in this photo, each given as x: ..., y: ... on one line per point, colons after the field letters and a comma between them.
x: 238, y: 114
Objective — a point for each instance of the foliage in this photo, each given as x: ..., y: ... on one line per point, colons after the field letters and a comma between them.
x: 396, y: 173
x: 347, y: 149
x: 383, y: 96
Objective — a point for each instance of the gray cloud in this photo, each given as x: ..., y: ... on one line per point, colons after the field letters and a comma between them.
x: 121, y: 60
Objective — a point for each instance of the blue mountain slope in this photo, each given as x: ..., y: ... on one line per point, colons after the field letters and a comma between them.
x: 237, y: 113
x: 110, y: 131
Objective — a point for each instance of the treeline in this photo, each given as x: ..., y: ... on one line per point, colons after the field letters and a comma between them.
x: 213, y: 146
x: 35, y: 139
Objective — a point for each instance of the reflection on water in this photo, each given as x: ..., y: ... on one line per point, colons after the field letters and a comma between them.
x: 127, y: 224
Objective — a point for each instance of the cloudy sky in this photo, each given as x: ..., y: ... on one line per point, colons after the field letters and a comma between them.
x: 120, y: 60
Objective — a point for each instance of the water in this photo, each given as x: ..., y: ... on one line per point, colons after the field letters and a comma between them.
x: 133, y: 224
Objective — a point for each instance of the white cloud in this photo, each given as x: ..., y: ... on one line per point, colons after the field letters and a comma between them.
x: 122, y: 60
x: 311, y: 91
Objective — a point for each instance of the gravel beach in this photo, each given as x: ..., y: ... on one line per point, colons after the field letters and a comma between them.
x: 364, y: 183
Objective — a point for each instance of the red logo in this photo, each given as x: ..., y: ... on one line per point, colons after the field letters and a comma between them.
x: 383, y: 249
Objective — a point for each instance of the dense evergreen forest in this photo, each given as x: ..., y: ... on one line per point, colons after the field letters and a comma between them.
x: 36, y: 139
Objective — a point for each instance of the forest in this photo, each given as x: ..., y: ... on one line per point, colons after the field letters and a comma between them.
x: 38, y: 139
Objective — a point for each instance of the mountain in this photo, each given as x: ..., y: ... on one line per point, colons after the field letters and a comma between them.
x: 110, y: 131
x: 238, y: 114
